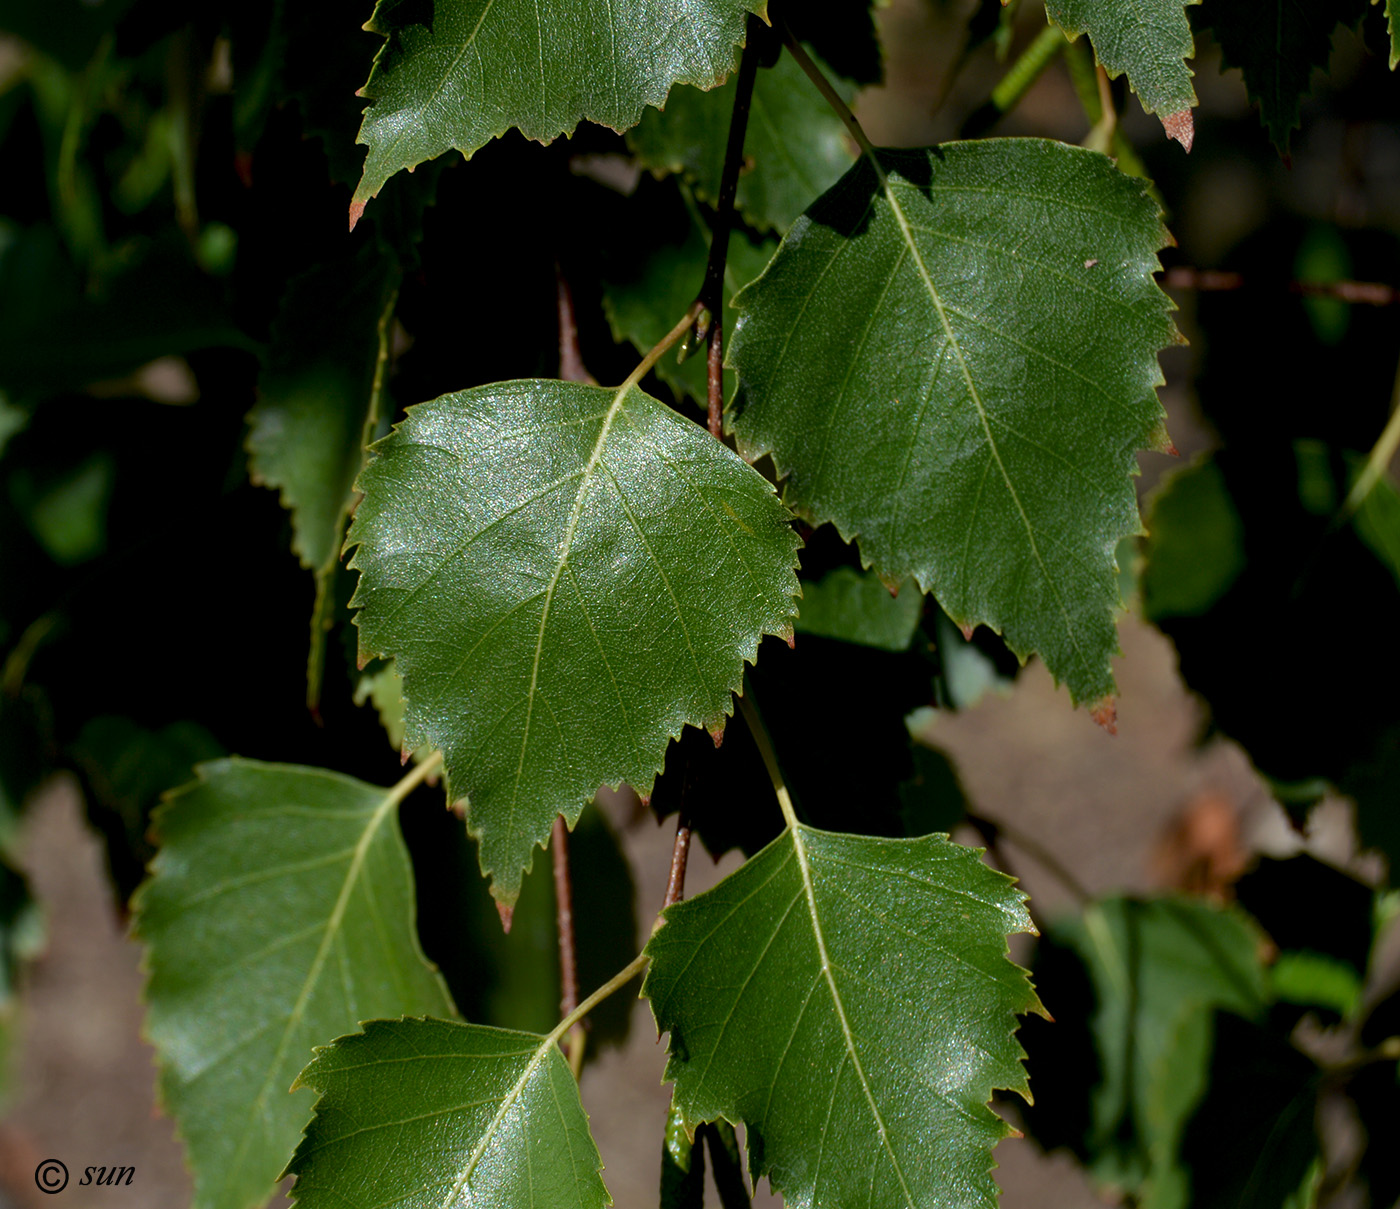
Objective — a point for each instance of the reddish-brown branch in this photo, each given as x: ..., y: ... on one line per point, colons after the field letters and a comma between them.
x: 564, y: 916
x: 680, y: 854
x: 571, y: 367
x: 1210, y: 281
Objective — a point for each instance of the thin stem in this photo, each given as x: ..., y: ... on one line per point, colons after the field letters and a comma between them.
x: 770, y: 759
x: 1387, y: 1051
x: 680, y: 854
x: 659, y: 350
x: 1379, y: 460
x: 1014, y: 85
x: 832, y: 98
x: 613, y: 985
x: 712, y: 288
x: 408, y: 783
x: 564, y: 925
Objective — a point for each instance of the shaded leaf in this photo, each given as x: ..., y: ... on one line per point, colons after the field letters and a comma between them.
x: 1184, y: 579
x: 952, y: 358
x: 1157, y: 969
x: 279, y: 913
x: 1149, y: 40
x: 426, y: 1113
x: 1392, y: 16
x: 850, y: 1001
x: 652, y: 279
x: 566, y: 575
x: 856, y: 607
x: 461, y: 72
x: 1277, y: 45
x: 318, y: 401
x: 795, y: 147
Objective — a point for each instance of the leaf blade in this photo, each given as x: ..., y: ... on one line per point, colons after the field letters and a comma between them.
x: 231, y: 871
x: 566, y: 576
x: 989, y: 392
x: 809, y: 971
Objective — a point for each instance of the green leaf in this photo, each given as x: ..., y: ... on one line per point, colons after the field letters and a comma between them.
x: 566, y: 575
x: 1195, y: 543
x: 462, y: 72
x: 795, y: 147
x: 426, y: 1113
x: 1150, y: 40
x: 857, y: 607
x: 280, y: 912
x: 850, y: 1001
x: 1392, y: 16
x: 317, y: 406
x: 1277, y: 45
x: 649, y: 285
x: 953, y: 357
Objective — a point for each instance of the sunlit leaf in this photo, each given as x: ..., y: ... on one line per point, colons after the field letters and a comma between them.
x: 428, y: 1113
x: 1150, y: 41
x: 280, y: 912
x: 850, y: 1001
x: 565, y: 575
x: 953, y: 359
x: 461, y: 72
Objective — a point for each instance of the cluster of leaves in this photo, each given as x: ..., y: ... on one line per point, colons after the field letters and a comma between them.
x: 942, y: 365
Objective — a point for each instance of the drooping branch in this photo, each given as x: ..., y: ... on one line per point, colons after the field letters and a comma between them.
x: 1214, y: 281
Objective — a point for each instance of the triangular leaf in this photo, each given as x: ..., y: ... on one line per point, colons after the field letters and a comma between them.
x: 1277, y: 45
x: 954, y: 358
x: 795, y: 147
x: 316, y: 410
x: 1150, y: 41
x: 566, y: 576
x: 851, y: 1002
x: 279, y: 913
x: 427, y: 1113
x: 459, y: 73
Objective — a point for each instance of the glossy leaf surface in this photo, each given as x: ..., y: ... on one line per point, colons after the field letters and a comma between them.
x: 794, y: 150
x: 566, y: 575
x: 851, y: 1002
x: 477, y: 68
x: 428, y: 1113
x: 1150, y: 40
x: 1277, y: 45
x: 280, y: 912
x: 953, y: 358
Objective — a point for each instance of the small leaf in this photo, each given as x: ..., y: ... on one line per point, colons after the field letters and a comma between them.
x: 795, y: 147
x: 279, y: 913
x: 427, y: 1113
x: 1150, y: 41
x: 1184, y: 578
x: 459, y: 73
x: 856, y: 607
x: 850, y: 1001
x: 316, y: 410
x: 566, y: 576
x: 951, y: 357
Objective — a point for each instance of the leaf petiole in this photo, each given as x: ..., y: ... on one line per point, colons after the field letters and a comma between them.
x: 770, y: 759
x: 659, y: 350
x: 412, y: 780
x: 831, y: 96
x: 613, y: 984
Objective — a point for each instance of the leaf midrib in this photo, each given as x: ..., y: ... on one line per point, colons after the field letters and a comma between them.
x: 804, y: 866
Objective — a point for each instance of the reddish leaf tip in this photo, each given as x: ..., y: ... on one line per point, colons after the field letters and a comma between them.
x: 966, y: 631
x: 507, y: 914
x: 1105, y: 713
x: 792, y: 641
x: 717, y: 734
x: 357, y: 208
x: 1181, y: 127
x: 404, y: 755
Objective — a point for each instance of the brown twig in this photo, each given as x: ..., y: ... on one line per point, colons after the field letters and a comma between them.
x: 711, y: 295
x: 571, y: 367
x: 564, y: 924
x: 680, y: 853
x: 1211, y: 281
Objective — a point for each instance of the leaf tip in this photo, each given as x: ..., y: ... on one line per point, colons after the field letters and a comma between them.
x: 507, y: 914
x: 1181, y: 127
x: 966, y: 630
x: 357, y: 208
x: 1105, y: 713
x: 717, y: 734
